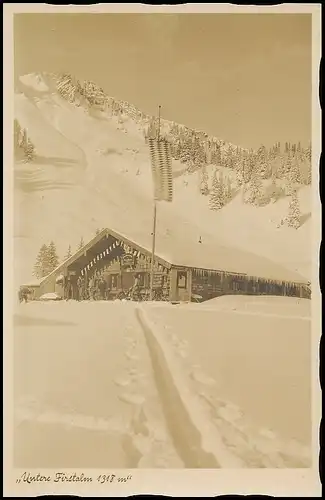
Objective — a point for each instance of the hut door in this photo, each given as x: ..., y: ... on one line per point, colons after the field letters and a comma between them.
x: 182, y: 292
x: 127, y: 280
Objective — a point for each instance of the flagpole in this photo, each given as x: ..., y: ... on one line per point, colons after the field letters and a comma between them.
x: 154, y: 226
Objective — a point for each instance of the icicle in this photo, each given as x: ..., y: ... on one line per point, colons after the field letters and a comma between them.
x: 88, y: 267
x: 113, y: 246
x: 117, y: 243
x: 110, y: 248
x: 139, y: 254
x: 135, y: 253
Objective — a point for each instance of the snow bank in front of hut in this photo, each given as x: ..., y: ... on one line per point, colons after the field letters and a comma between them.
x: 287, y: 306
x: 50, y: 296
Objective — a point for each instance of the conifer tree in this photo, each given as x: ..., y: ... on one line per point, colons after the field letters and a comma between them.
x: 18, y: 141
x: 241, y: 167
x: 273, y: 192
x: 217, y: 193
x: 309, y: 175
x: 81, y: 243
x: 68, y: 254
x: 185, y: 156
x: 294, y: 173
x: 255, y: 189
x: 41, y: 264
x: 17, y: 132
x: 29, y: 151
x: 293, y: 219
x: 23, y: 139
x: 53, y: 260
x: 227, y: 189
x: 204, y: 178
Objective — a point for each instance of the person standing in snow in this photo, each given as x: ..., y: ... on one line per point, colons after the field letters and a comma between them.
x: 136, y: 286
x: 80, y: 285
x: 67, y: 288
x: 23, y: 294
x: 91, y: 288
x: 102, y: 288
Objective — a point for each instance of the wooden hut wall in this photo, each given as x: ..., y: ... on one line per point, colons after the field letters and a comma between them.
x: 207, y: 283
x: 210, y: 284
x: 108, y: 262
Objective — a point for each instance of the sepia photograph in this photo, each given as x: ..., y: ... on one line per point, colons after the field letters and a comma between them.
x: 164, y: 263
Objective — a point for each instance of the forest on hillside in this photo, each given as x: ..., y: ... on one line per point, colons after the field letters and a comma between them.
x: 24, y: 149
x: 196, y: 149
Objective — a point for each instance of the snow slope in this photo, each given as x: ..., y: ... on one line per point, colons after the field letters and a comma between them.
x: 93, y: 171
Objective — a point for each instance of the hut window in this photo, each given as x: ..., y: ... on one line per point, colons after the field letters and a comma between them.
x: 114, y: 281
x: 181, y: 279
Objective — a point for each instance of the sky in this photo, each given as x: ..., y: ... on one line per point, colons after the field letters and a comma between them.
x: 245, y: 78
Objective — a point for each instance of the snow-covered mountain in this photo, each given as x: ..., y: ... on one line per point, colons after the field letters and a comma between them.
x: 92, y: 170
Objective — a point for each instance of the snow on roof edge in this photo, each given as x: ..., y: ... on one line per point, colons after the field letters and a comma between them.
x: 282, y: 273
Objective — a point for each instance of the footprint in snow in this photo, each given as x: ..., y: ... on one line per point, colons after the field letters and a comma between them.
x: 267, y: 433
x: 133, y: 399
x: 202, y: 378
x: 231, y: 412
x: 122, y: 382
x: 130, y: 356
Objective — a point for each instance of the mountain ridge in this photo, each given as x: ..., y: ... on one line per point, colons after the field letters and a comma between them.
x: 74, y: 91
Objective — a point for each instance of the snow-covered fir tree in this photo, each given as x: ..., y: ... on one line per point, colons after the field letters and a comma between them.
x: 20, y: 141
x: 215, y: 154
x: 81, y: 243
x: 263, y: 162
x: 68, y: 87
x: 228, y: 160
x: 53, y: 260
x: 41, y: 267
x: 309, y: 175
x: 217, y: 193
x: 93, y: 93
x: 176, y: 149
x: 255, y: 189
x: 273, y: 190
x: 17, y: 132
x: 293, y: 218
x: 198, y: 154
x: 29, y: 151
x: 23, y: 139
x: 68, y: 254
x: 227, y: 189
x: 204, y: 181
x: 294, y: 173
x: 186, y: 151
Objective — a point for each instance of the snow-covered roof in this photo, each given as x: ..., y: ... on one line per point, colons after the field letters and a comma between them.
x: 179, y: 250
x: 213, y: 256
